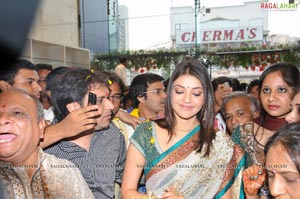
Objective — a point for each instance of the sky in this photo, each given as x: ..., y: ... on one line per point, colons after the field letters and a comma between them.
x: 149, y: 20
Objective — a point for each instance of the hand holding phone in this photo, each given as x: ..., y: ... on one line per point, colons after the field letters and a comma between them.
x: 92, y: 99
x: 226, y: 85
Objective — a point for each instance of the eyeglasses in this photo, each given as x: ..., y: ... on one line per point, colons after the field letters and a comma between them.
x: 117, y: 97
x: 158, y: 91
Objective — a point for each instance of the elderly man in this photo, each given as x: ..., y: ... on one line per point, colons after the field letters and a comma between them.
x: 23, y: 75
x: 27, y: 171
x: 239, y: 108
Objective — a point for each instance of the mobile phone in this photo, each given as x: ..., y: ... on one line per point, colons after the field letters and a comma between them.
x: 226, y: 84
x: 92, y: 99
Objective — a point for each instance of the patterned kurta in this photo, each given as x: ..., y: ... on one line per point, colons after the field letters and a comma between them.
x: 53, y: 179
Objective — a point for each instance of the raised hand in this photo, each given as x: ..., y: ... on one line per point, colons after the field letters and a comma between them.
x: 76, y: 122
x: 253, y: 178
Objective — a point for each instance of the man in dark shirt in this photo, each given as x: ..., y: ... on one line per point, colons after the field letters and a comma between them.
x: 99, y: 153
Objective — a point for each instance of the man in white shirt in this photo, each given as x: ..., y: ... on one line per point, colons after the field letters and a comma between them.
x: 120, y: 70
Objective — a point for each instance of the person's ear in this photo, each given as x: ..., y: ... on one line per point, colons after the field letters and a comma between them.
x: 256, y: 114
x: 4, y: 86
x: 42, y: 126
x: 141, y: 98
x: 73, y: 106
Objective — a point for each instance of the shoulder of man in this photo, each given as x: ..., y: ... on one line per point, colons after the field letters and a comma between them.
x: 58, y: 173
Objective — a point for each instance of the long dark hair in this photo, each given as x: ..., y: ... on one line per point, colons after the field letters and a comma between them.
x: 290, y: 75
x: 287, y: 136
x: 206, y: 114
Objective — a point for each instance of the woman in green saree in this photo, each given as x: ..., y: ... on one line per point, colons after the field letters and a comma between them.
x: 183, y: 156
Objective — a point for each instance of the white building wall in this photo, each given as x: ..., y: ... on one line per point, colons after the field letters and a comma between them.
x: 54, y: 37
x: 57, y: 22
x: 242, y: 13
x: 220, y: 17
x: 182, y: 15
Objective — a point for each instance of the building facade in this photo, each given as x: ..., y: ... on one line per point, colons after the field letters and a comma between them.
x: 123, y: 28
x: 219, y: 27
x: 99, y: 29
x: 282, y: 39
x: 69, y: 32
x: 54, y: 38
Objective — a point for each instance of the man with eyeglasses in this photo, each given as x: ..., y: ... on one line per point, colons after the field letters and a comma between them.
x: 99, y: 153
x: 119, y: 117
x: 148, y: 96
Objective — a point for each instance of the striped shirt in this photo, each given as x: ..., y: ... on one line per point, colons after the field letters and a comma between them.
x: 102, y: 165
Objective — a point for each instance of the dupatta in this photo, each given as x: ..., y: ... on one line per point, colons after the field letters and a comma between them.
x: 190, y: 173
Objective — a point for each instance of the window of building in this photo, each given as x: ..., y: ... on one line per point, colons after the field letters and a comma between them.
x: 182, y: 26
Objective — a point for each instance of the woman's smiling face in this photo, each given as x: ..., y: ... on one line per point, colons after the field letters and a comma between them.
x: 187, y: 96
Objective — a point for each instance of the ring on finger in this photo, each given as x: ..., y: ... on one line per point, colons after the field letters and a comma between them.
x: 253, y: 177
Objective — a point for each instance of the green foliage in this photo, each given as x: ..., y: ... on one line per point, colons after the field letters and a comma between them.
x: 242, y: 56
x: 137, y: 59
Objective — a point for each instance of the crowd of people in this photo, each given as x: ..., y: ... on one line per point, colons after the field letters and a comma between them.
x: 78, y: 133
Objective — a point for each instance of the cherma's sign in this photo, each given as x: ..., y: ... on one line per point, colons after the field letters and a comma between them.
x: 241, y: 34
